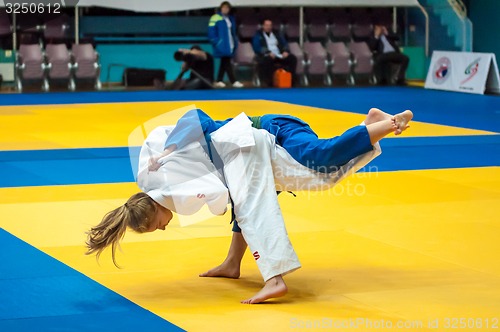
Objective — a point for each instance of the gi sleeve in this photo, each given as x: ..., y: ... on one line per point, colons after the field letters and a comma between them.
x: 191, y: 127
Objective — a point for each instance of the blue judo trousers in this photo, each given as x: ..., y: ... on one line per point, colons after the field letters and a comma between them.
x: 293, y: 134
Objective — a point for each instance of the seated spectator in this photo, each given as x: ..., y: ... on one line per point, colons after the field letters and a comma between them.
x: 385, y: 51
x: 201, y: 65
x: 272, y: 53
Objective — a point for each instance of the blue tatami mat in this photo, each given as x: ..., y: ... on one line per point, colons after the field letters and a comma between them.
x: 39, y: 293
x: 432, y: 106
x: 112, y: 165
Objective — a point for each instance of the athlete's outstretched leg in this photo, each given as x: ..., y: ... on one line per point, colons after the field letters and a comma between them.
x: 376, y: 115
x: 397, y: 124
x: 230, y: 268
x: 401, y: 120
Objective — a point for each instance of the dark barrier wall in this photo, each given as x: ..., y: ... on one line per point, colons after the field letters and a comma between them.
x: 485, y: 16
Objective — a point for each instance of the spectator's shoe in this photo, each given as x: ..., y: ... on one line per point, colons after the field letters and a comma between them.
x: 220, y: 84
x: 238, y: 84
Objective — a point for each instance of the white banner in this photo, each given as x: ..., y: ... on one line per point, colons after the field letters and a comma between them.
x: 463, y: 72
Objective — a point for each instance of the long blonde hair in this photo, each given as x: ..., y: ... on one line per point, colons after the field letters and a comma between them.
x: 137, y: 213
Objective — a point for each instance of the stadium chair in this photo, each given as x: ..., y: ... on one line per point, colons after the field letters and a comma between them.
x: 292, y: 29
x: 362, y: 31
x: 56, y: 29
x: 5, y: 31
x: 86, y: 62
x: 29, y: 29
x: 317, y: 29
x: 317, y: 61
x: 362, y: 24
x: 340, y: 29
x: 363, y: 60
x: 59, y: 64
x: 5, y: 27
x: 245, y: 57
x: 340, y: 63
x: 301, y: 62
x: 30, y: 66
x: 247, y: 28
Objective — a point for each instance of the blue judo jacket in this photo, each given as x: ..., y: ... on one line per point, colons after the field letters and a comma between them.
x: 219, y: 37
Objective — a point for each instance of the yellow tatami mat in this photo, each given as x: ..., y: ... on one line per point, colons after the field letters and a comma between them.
x: 416, y: 248
x: 103, y: 125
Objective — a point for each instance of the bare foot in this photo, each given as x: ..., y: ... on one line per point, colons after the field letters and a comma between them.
x: 275, y: 287
x: 401, y: 121
x: 376, y: 115
x: 225, y: 270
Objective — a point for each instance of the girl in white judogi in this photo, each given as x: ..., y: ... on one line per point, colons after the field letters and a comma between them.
x: 182, y: 168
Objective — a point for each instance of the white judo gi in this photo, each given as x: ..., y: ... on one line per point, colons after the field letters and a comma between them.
x: 255, y: 167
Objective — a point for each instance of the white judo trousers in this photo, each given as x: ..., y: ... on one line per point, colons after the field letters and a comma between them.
x: 249, y: 176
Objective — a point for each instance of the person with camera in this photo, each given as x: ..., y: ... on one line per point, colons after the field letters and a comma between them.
x: 201, y: 66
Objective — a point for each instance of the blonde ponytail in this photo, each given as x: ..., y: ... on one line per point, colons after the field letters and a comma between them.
x: 137, y: 213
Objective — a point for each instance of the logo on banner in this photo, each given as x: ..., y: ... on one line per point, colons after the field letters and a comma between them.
x: 471, y: 70
x: 442, y: 70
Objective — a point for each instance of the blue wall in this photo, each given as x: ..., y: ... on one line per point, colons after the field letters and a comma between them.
x: 151, y: 56
x: 485, y: 16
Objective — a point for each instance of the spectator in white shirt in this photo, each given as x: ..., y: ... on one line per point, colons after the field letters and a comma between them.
x: 272, y: 53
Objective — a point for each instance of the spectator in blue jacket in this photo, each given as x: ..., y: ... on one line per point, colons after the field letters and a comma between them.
x: 222, y: 35
x: 272, y: 52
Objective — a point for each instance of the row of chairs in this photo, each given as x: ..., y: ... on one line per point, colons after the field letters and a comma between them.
x: 317, y: 31
x: 379, y: 15
x: 336, y: 59
x: 57, y: 63
x: 33, y: 30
